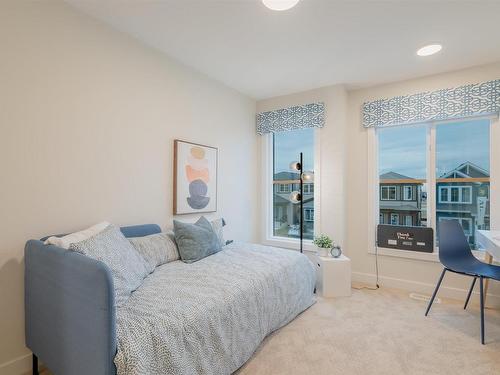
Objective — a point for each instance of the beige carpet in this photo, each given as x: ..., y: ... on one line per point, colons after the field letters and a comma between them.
x: 380, y: 332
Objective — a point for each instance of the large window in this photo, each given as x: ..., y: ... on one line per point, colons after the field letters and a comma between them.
x: 402, y: 176
x: 463, y: 175
x: 286, y: 213
x: 451, y: 157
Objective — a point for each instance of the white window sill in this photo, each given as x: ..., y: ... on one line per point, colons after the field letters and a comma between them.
x: 287, y: 243
x: 428, y: 257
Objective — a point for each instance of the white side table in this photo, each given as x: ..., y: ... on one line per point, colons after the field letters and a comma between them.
x: 333, y: 276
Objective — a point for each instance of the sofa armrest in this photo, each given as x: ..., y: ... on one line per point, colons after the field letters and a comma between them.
x: 69, y: 311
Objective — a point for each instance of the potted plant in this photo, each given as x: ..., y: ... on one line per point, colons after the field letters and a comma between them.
x: 324, y: 244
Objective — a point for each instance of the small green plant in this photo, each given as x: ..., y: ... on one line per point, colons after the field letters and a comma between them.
x: 323, y: 241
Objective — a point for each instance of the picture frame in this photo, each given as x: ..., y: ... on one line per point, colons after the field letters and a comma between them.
x: 195, y: 178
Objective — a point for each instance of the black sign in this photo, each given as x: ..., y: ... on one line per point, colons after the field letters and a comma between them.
x: 405, y: 238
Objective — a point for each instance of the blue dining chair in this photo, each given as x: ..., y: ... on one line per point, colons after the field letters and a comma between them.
x: 456, y: 256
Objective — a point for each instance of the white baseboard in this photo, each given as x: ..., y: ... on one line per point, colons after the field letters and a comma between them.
x: 17, y: 366
x: 492, y: 300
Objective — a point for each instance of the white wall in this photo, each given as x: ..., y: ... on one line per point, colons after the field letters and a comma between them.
x: 88, y: 117
x: 344, y: 175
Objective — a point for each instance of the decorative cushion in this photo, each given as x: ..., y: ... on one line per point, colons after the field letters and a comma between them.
x: 218, y: 227
x: 67, y: 240
x: 195, y: 241
x: 112, y: 248
x: 156, y: 249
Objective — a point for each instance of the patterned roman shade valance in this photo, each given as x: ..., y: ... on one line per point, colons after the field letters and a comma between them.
x: 298, y: 117
x: 461, y: 102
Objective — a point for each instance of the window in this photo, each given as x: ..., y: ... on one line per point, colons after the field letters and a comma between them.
x: 284, y: 188
x: 464, y: 222
x: 308, y: 188
x: 408, y: 220
x: 388, y: 193
x: 402, y: 175
x: 394, y: 219
x: 455, y: 194
x: 458, y: 185
x: 286, y: 147
x: 407, y: 193
x: 463, y: 175
x: 308, y: 214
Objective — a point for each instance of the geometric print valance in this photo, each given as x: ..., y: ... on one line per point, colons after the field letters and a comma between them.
x: 460, y: 102
x: 293, y: 118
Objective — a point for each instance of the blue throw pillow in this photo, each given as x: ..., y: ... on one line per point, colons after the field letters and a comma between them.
x: 196, y: 241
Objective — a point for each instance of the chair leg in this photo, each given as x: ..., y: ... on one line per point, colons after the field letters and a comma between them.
x: 470, y: 292
x: 435, y: 291
x: 481, y: 298
x: 35, y: 365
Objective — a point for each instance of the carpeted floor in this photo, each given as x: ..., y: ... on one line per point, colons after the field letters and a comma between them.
x: 381, y: 332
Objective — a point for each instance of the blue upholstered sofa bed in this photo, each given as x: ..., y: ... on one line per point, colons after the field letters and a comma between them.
x: 207, y: 317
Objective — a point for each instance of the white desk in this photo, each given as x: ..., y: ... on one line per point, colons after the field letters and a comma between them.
x: 489, y: 240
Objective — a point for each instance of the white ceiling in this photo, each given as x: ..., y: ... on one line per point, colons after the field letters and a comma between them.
x: 319, y: 42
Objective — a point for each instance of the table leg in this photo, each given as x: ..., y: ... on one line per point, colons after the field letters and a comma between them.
x: 489, y: 259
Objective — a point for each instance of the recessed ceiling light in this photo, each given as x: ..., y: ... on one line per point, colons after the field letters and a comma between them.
x: 431, y: 49
x: 280, y: 4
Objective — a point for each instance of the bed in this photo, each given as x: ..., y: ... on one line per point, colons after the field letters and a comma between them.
x: 207, y: 317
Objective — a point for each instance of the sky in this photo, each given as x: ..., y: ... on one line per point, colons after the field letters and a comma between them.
x: 287, y: 147
x: 403, y: 149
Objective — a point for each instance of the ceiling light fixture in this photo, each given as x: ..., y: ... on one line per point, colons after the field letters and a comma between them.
x: 430, y: 49
x: 280, y: 4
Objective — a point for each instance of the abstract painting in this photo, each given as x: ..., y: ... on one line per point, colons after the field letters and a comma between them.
x: 195, y: 178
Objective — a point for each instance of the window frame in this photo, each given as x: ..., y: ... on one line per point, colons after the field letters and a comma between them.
x: 467, y: 233
x: 267, y: 235
x: 307, y: 214
x: 411, y: 198
x: 285, y: 191
x: 373, y: 190
x: 406, y: 220
x: 388, y: 187
x: 460, y: 194
x: 310, y: 188
x: 395, y: 222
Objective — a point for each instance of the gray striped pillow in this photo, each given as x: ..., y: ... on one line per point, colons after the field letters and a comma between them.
x: 156, y: 249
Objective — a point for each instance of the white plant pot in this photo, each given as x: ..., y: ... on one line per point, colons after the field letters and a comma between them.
x: 323, y: 251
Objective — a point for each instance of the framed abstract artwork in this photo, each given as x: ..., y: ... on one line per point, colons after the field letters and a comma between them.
x: 195, y: 178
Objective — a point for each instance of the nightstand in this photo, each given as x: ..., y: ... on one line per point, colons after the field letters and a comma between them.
x: 333, y: 276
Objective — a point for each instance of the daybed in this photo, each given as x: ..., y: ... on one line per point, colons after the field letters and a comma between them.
x: 207, y: 317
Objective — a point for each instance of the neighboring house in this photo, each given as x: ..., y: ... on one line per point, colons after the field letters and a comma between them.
x: 463, y: 194
x: 401, y: 200
x: 286, y: 213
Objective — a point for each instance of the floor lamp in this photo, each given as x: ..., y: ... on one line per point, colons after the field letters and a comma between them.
x: 298, y: 196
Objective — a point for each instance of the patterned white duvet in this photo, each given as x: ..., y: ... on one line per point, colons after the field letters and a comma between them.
x: 210, y: 316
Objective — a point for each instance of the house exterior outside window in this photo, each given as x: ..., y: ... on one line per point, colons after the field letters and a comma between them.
x: 286, y: 213
x: 407, y: 201
x: 466, y: 201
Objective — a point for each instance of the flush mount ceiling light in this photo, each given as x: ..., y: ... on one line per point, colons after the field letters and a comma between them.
x: 280, y: 4
x: 430, y: 49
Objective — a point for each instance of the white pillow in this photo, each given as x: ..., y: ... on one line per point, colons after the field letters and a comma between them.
x: 82, y: 235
